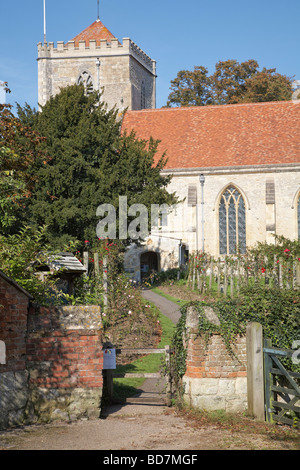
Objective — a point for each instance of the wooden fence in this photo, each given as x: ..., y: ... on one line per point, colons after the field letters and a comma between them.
x: 226, y: 275
x: 282, y: 387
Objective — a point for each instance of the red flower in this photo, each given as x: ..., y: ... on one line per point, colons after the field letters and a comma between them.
x: 263, y: 270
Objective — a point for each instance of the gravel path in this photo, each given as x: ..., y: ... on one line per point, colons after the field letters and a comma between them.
x: 167, y: 307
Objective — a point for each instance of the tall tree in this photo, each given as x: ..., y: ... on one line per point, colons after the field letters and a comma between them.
x: 20, y: 153
x: 91, y: 164
x: 232, y: 82
x: 191, y: 88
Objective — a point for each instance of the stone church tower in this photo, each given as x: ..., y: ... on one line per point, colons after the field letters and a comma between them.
x: 125, y: 74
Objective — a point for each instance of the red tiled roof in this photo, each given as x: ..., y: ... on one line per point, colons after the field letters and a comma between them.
x: 220, y: 136
x: 97, y: 31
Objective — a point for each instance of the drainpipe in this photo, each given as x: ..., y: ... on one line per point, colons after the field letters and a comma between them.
x: 202, y: 181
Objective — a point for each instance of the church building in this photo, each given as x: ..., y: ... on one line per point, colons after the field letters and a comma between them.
x: 236, y: 168
x: 96, y: 58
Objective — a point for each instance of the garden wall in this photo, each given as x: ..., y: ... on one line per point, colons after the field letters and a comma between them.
x: 64, y: 361
x: 14, y: 391
x: 51, y: 360
x: 214, y: 379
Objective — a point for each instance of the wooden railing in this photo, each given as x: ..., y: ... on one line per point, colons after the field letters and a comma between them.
x: 282, y: 387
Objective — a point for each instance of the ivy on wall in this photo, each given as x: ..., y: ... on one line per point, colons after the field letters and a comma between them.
x: 277, y: 310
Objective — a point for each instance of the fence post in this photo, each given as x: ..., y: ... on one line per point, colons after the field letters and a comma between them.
x: 86, y: 261
x: 105, y: 283
x: 255, y: 371
x: 268, y: 381
x: 169, y: 376
x: 298, y: 275
x: 96, y: 265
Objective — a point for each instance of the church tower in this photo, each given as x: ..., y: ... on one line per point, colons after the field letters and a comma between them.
x: 122, y: 71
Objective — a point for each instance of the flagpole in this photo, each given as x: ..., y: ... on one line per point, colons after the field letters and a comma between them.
x: 44, y: 21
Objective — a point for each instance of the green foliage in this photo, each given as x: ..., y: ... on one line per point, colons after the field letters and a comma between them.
x: 277, y: 310
x: 20, y: 153
x: 231, y: 83
x: 90, y: 164
x: 157, y: 278
x: 19, y: 254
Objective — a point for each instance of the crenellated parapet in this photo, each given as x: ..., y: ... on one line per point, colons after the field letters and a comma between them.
x: 101, y: 48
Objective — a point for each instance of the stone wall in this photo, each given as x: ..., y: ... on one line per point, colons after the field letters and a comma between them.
x: 271, y: 202
x: 214, y: 379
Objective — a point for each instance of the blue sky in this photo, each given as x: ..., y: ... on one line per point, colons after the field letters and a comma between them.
x: 177, y: 34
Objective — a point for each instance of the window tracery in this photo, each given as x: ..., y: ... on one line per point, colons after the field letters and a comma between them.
x: 232, y: 222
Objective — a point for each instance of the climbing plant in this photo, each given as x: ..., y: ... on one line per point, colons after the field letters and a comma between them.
x: 277, y: 310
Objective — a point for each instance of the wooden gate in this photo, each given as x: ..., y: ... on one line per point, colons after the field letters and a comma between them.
x: 110, y: 375
x: 282, y: 390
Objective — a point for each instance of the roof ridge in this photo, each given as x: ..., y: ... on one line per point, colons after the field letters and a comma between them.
x: 212, y: 106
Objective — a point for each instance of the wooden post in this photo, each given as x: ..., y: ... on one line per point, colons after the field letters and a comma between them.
x: 105, y: 283
x: 238, y: 276
x: 219, y: 276
x: 96, y: 265
x: 255, y: 371
x: 211, y: 273
x: 298, y: 275
x: 268, y: 382
x: 225, y: 277
x: 169, y: 377
x: 86, y: 261
x: 231, y: 281
x: 280, y: 273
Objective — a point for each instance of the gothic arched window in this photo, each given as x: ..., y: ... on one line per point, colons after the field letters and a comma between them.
x: 86, y: 79
x: 232, y: 222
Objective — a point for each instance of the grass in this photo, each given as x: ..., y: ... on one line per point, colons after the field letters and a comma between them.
x: 151, y: 363
x: 180, y: 302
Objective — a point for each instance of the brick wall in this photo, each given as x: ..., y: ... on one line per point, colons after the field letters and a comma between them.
x: 214, y: 378
x: 64, y: 361
x: 13, y: 325
x: 14, y: 392
x: 214, y: 360
x: 52, y: 366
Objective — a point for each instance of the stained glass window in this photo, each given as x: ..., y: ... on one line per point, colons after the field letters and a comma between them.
x: 232, y: 222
